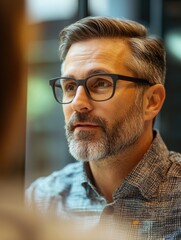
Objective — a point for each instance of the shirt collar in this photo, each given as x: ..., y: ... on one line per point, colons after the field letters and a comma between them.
x: 86, y: 176
x: 151, y: 169
x: 88, y: 183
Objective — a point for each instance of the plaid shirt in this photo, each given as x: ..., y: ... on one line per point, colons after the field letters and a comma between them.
x: 147, y: 204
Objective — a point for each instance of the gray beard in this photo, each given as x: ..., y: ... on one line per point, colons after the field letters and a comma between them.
x: 124, y: 133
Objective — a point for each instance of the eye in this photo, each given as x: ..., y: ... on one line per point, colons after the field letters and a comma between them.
x: 100, y: 83
x: 69, y: 86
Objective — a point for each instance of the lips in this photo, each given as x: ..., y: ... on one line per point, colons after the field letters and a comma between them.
x: 84, y: 125
x: 84, y: 121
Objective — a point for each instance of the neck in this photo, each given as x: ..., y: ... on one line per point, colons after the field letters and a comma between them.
x: 109, y: 173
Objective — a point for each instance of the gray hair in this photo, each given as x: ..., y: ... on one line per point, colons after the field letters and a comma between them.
x: 148, y: 57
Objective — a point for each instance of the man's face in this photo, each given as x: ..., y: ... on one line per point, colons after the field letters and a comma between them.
x: 98, y: 130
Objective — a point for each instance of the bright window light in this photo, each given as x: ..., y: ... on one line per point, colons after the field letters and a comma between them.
x: 173, y: 42
x: 43, y: 10
x: 100, y: 7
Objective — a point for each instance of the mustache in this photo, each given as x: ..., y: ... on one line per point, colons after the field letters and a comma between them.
x: 84, y: 117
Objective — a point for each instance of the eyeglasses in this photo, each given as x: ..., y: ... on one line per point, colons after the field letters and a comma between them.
x: 98, y: 87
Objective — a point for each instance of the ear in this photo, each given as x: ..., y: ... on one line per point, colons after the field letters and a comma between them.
x: 154, y: 98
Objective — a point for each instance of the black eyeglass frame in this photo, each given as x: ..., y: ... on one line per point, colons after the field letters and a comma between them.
x: 82, y: 82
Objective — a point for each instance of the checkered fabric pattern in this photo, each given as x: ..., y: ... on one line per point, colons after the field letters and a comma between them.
x: 146, y: 205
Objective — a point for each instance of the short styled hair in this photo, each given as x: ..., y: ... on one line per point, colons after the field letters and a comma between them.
x: 148, y: 57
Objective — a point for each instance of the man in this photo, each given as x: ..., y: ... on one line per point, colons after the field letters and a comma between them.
x: 111, y: 90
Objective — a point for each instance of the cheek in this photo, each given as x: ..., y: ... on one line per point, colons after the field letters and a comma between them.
x: 67, y: 112
x: 115, y: 107
x: 110, y: 112
x: 118, y: 108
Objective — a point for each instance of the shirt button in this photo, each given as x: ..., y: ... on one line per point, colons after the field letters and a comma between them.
x: 135, y: 222
x: 109, y: 210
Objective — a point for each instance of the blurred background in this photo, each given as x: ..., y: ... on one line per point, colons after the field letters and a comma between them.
x: 32, y: 136
x: 46, y: 147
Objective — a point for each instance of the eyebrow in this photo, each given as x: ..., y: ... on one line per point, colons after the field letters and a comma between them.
x: 89, y: 73
x: 94, y: 71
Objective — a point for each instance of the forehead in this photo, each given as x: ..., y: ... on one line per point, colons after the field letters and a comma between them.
x: 108, y: 53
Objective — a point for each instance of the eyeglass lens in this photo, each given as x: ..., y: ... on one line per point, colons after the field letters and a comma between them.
x: 99, y: 88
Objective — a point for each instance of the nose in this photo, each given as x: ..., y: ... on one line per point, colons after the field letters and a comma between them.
x: 81, y: 102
